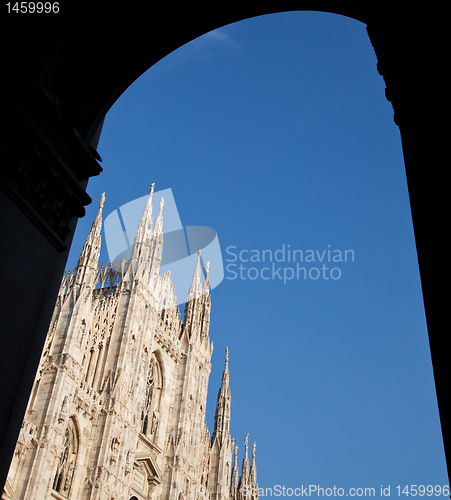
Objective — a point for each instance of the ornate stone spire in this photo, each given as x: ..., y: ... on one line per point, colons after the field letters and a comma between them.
x: 195, y: 289
x: 221, y: 443
x: 225, y: 374
x: 222, y: 415
x: 159, y: 222
x: 156, y: 242
x: 140, y: 247
x: 86, y: 270
x: 245, y: 468
x: 253, y: 472
x: 243, y: 485
x: 234, y: 480
x: 198, y: 305
x: 206, y: 287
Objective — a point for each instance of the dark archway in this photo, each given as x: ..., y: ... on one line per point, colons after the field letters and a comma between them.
x: 63, y: 71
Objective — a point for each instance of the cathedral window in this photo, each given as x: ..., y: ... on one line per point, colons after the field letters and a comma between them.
x: 67, y: 461
x: 150, y: 413
x: 150, y: 383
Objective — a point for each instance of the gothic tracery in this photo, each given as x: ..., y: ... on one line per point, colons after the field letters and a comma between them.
x: 67, y: 461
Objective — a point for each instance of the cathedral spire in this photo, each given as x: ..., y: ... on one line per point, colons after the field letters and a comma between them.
x: 156, y: 242
x: 225, y: 374
x: 206, y: 287
x: 86, y: 270
x: 234, y: 479
x: 245, y: 468
x: 253, y: 473
x: 159, y: 222
x: 140, y: 247
x: 222, y: 415
x: 195, y: 289
x: 198, y: 305
x: 221, y: 443
x: 243, y: 485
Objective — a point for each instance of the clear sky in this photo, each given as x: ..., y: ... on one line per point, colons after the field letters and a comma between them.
x: 275, y: 132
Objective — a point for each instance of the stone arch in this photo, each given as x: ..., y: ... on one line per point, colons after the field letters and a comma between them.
x: 86, y: 90
x: 68, y: 93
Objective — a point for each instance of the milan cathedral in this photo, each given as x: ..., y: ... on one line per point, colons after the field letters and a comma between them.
x: 117, y: 410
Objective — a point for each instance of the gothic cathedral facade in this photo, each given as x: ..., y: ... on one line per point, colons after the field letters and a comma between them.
x: 117, y: 410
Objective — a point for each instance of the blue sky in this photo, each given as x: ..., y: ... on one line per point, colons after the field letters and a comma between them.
x: 275, y: 131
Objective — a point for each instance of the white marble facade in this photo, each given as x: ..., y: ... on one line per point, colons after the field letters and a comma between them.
x: 117, y: 410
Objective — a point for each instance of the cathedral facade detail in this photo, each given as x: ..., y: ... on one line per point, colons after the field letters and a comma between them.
x: 117, y: 409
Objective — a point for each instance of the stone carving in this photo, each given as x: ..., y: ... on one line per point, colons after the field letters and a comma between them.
x: 81, y: 333
x: 115, y: 442
x: 64, y: 404
x: 155, y: 422
x: 62, y: 414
